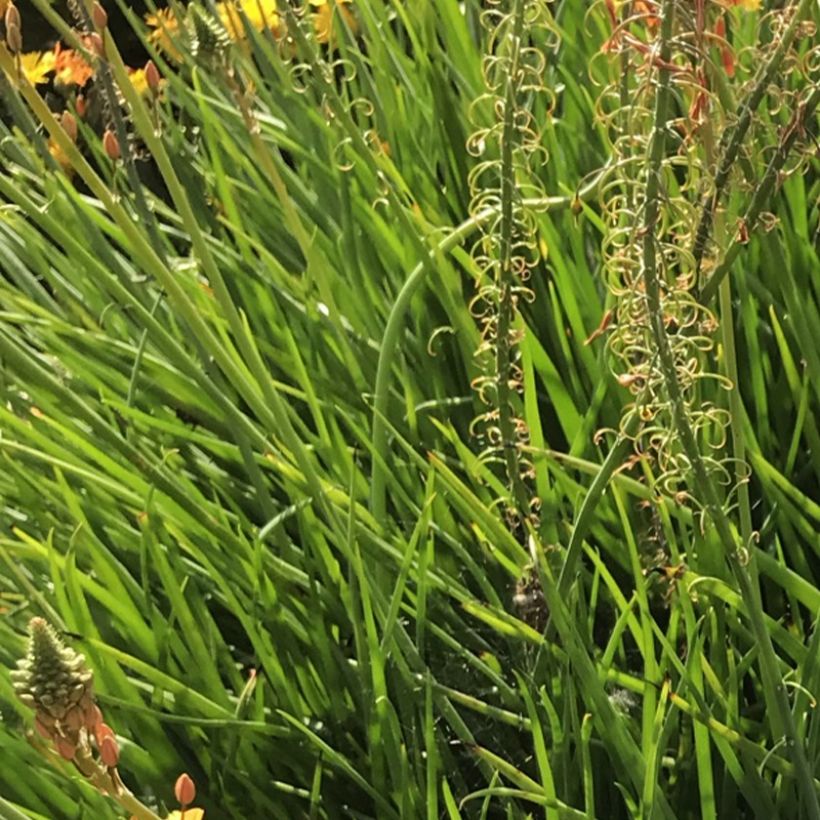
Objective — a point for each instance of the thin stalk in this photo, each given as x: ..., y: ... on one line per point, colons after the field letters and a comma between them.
x: 763, y: 192
x: 506, y: 280
x: 395, y: 323
x: 733, y: 137
x: 774, y: 691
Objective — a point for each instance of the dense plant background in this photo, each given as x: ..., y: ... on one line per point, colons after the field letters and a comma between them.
x: 258, y: 462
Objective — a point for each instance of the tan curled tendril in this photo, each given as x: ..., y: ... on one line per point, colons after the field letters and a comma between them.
x: 508, y: 149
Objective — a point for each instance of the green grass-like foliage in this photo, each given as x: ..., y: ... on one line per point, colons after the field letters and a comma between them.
x: 238, y: 459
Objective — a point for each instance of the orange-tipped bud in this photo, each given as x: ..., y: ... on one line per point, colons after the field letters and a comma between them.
x: 152, y: 76
x: 100, y: 16
x: 80, y: 105
x: 109, y: 751
x: 14, y: 39
x: 184, y: 790
x: 69, y: 125
x: 65, y: 747
x: 111, y: 145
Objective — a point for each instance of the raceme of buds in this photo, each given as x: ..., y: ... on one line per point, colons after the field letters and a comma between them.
x: 100, y: 16
x: 184, y: 790
x: 54, y: 681
x: 111, y: 145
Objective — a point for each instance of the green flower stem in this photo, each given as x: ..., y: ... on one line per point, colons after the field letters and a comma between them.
x: 762, y: 194
x: 506, y: 279
x: 733, y: 137
x: 780, y: 715
x: 395, y: 323
x: 102, y: 781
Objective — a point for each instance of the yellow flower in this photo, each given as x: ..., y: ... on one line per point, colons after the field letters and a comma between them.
x: 323, y: 18
x: 62, y: 158
x: 37, y: 65
x: 139, y: 80
x: 261, y: 15
x: 188, y: 814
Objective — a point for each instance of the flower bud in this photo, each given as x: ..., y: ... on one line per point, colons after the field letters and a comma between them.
x: 42, y: 729
x: 152, y: 76
x: 184, y: 790
x: 109, y: 751
x: 94, y: 43
x: 111, y: 145
x: 65, y: 747
x: 100, y: 16
x: 12, y: 17
x: 14, y: 39
x: 69, y: 125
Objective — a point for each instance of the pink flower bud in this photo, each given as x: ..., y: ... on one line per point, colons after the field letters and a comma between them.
x: 152, y: 76
x: 185, y: 790
x: 109, y: 751
x: 69, y: 125
x: 65, y: 747
x: 111, y: 145
x: 42, y: 729
x: 93, y: 717
x: 100, y: 16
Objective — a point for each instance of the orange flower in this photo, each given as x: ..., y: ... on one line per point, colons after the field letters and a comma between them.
x: 70, y: 67
x: 165, y: 30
